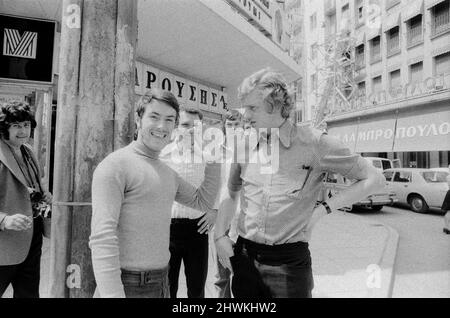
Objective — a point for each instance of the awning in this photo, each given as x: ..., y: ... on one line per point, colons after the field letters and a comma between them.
x: 419, y: 131
x: 346, y: 133
x: 412, y: 9
x: 208, y: 41
x: 376, y: 134
x: 391, y: 21
x: 431, y: 3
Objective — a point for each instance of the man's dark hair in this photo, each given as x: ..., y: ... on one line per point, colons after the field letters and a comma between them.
x: 15, y: 111
x: 192, y: 111
x: 162, y: 96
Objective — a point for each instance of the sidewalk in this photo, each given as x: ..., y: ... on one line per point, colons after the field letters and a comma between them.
x: 351, y: 257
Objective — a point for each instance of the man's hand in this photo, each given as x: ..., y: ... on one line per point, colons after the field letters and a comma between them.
x: 47, y: 197
x: 207, y: 222
x: 224, y: 248
x: 17, y: 222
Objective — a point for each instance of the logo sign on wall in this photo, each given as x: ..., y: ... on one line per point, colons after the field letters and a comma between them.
x: 188, y: 93
x: 26, y: 49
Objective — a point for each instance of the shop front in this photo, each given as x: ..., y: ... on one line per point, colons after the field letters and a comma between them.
x: 419, y: 137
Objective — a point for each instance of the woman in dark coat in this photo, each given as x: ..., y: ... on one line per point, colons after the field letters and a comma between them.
x: 22, y: 203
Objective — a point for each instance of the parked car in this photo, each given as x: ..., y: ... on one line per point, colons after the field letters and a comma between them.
x: 333, y: 183
x: 419, y: 188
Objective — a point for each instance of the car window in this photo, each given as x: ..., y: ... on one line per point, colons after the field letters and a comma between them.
x: 386, y: 164
x: 388, y: 175
x: 402, y: 176
x: 434, y: 176
x: 377, y: 164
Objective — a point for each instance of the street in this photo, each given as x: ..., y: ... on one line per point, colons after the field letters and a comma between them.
x: 423, y: 257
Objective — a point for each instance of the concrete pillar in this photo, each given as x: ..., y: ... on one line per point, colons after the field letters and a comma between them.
x: 96, y: 96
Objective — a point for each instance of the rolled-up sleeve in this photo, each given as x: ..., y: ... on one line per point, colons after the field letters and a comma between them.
x: 336, y: 157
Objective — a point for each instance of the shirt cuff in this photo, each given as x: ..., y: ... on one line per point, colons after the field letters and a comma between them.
x: 2, y: 224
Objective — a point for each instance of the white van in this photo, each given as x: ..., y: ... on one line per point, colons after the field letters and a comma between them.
x: 382, y: 163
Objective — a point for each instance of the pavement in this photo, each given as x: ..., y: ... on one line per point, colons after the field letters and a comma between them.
x: 352, y: 257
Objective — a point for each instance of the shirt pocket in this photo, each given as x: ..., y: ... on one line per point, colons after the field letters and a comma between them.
x: 300, y: 177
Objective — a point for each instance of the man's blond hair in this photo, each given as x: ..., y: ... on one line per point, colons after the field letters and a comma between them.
x: 278, y: 96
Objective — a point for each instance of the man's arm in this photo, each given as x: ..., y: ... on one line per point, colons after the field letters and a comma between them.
x: 227, y: 209
x: 2, y: 219
x: 335, y: 157
x: 204, y: 196
x: 107, y: 196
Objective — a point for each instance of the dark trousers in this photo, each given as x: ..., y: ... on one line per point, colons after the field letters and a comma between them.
x: 191, y: 247
x: 25, y: 276
x: 279, y: 271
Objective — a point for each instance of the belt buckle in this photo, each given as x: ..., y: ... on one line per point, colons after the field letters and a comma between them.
x: 147, y: 278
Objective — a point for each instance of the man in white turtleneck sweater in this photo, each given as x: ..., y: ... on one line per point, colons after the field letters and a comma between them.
x: 132, y: 197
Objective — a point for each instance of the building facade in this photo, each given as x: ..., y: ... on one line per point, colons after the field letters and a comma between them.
x: 398, y: 103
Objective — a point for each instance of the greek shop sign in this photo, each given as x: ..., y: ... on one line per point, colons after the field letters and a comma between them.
x: 418, y: 132
x: 188, y: 93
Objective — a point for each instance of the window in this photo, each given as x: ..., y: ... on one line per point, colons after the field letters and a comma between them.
x: 331, y: 24
x: 442, y: 64
x: 393, y: 41
x: 440, y: 18
x: 376, y: 84
x: 345, y: 18
x: 402, y: 176
x: 361, y: 89
x: 415, y: 72
x: 359, y: 56
x: 375, y: 49
x: 395, y: 79
x: 313, y: 21
x: 414, y: 32
x: 359, y: 12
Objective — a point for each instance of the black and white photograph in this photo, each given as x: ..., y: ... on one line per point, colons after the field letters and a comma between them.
x: 236, y: 152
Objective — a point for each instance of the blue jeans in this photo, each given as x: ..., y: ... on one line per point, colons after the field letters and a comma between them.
x: 279, y: 271
x: 149, y: 284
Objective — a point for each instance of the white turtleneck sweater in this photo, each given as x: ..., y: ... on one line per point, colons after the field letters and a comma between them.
x: 132, y: 197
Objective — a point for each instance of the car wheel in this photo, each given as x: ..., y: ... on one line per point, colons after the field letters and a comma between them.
x: 376, y: 207
x: 418, y: 204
